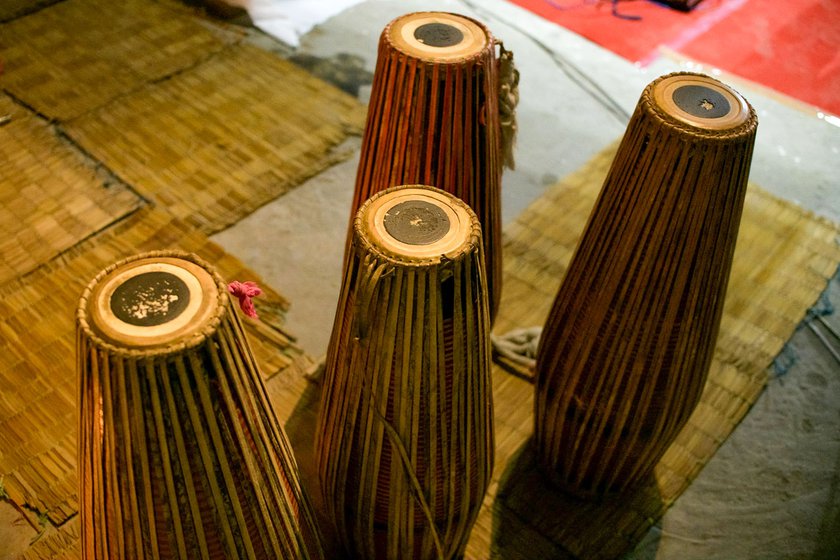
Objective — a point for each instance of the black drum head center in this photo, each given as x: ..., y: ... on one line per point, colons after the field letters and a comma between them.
x: 701, y: 101
x: 150, y: 299
x: 438, y: 35
x: 416, y: 222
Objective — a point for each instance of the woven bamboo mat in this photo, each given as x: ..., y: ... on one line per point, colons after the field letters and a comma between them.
x: 37, y: 355
x: 50, y: 196
x: 80, y: 54
x: 176, y: 106
x: 241, y: 128
x: 10, y: 9
x: 58, y: 544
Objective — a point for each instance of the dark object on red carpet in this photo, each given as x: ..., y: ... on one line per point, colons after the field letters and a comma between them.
x: 684, y: 5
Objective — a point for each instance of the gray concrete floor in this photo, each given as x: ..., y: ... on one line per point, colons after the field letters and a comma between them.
x: 772, y: 489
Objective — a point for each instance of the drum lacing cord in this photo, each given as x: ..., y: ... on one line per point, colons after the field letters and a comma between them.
x: 397, y: 443
x: 508, y: 100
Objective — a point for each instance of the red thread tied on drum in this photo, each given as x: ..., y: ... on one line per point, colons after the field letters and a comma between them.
x: 244, y: 291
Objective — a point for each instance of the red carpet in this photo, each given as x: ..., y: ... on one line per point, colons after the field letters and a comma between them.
x: 792, y: 46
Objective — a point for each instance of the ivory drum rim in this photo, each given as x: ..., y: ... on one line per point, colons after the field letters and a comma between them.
x: 700, y: 101
x: 438, y: 36
x: 417, y: 222
x: 152, y: 302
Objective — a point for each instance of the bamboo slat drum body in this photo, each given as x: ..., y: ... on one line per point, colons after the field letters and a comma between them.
x: 180, y: 453
x: 627, y: 345
x: 434, y: 119
x: 405, y: 435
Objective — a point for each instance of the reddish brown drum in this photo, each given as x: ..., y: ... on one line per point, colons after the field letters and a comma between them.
x: 434, y: 118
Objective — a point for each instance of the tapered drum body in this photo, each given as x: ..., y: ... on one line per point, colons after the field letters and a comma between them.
x: 180, y: 453
x: 405, y: 439
x: 434, y: 119
x: 627, y: 345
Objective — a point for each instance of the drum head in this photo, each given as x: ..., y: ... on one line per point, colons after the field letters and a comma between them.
x: 700, y: 101
x: 417, y: 221
x: 152, y: 302
x: 438, y: 36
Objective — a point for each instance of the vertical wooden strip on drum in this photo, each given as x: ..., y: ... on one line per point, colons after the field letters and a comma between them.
x: 433, y: 119
x: 404, y: 439
x: 180, y: 454
x: 201, y: 546
x: 132, y: 511
x: 627, y: 345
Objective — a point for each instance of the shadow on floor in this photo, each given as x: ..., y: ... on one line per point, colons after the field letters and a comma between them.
x: 533, y: 519
x: 300, y: 429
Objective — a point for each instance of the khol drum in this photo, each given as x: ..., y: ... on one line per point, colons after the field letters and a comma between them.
x: 405, y: 438
x: 180, y: 453
x: 627, y: 345
x: 440, y: 105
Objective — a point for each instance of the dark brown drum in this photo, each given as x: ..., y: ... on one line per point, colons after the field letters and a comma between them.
x: 628, y: 342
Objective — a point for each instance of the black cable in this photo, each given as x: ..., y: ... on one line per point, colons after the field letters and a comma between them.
x: 584, y: 3
x: 623, y: 16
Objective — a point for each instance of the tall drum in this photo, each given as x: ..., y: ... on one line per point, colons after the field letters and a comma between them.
x: 435, y: 117
x: 405, y: 433
x: 628, y: 342
x: 180, y: 453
